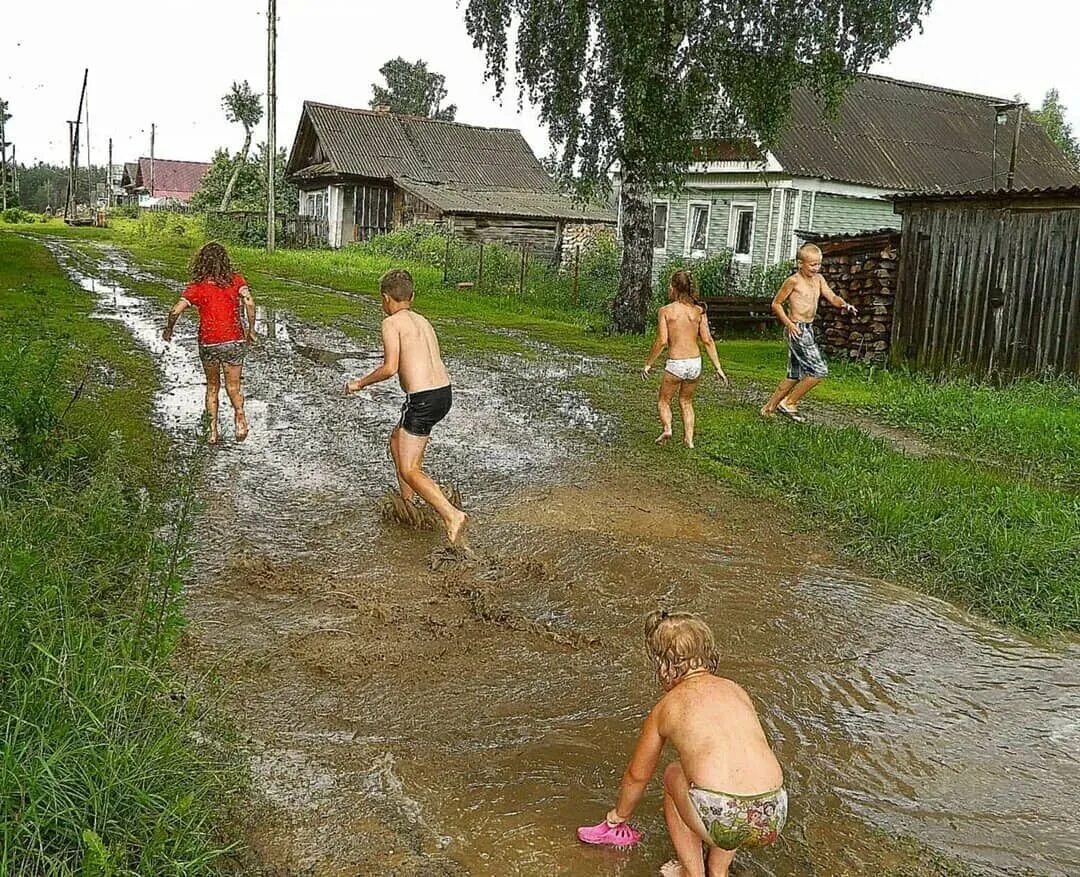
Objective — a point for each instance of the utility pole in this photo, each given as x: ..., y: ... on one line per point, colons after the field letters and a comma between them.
x: 152, y: 132
x: 109, y: 178
x: 15, y: 171
x: 1016, y: 144
x: 89, y: 170
x: 271, y: 123
x: 69, y: 205
x: 3, y: 153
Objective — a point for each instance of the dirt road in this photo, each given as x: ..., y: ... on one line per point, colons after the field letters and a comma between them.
x: 410, y: 721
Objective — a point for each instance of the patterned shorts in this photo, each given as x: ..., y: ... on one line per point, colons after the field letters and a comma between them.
x: 804, y: 357
x: 227, y: 353
x: 741, y: 821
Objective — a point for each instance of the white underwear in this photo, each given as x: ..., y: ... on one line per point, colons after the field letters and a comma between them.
x: 684, y: 369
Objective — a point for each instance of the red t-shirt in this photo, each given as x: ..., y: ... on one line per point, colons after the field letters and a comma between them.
x: 219, y: 310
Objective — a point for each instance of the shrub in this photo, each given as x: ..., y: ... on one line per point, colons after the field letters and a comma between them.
x: 15, y: 215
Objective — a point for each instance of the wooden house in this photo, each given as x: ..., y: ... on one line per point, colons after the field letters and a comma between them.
x: 370, y: 171
x: 836, y: 174
x: 160, y: 180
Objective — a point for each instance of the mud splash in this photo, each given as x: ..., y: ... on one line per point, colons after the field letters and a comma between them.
x: 464, y: 721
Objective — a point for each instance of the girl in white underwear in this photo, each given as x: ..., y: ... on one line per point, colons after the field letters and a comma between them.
x: 681, y: 326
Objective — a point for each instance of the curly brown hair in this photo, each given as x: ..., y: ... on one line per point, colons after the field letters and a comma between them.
x: 212, y: 263
x: 685, y: 285
x: 678, y: 642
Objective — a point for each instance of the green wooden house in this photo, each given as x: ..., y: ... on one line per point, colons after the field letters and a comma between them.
x: 835, y: 175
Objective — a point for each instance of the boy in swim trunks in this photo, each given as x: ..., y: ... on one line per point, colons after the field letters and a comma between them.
x: 727, y: 789
x: 411, y: 351
x: 806, y: 365
x: 681, y: 325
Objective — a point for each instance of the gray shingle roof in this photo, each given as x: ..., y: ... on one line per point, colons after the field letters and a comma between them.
x: 387, y: 146
x: 906, y: 136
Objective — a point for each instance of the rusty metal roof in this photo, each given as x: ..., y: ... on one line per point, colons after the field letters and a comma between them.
x: 388, y: 146
x: 451, y: 198
x: 1065, y: 193
x: 906, y: 136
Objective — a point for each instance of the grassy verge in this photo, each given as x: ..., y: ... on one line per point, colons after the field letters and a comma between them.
x: 991, y: 537
x: 99, y: 769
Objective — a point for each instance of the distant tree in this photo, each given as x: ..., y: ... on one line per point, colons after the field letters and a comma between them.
x: 637, y: 83
x: 244, y: 106
x: 248, y: 179
x: 1051, y: 115
x: 412, y: 89
x: 8, y: 177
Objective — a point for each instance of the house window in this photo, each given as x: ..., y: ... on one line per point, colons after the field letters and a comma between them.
x: 659, y: 225
x: 697, y: 229
x: 741, y: 234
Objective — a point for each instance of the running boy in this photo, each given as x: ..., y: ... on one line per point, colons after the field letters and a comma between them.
x: 411, y: 351
x: 806, y: 366
x: 680, y: 326
x: 217, y: 293
x: 727, y: 788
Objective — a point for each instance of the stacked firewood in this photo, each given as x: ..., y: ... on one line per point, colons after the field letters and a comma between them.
x: 862, y: 271
x: 583, y: 236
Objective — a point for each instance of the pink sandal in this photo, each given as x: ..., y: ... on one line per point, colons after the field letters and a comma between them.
x: 622, y: 836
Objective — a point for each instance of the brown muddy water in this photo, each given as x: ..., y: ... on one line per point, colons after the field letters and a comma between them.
x: 412, y: 722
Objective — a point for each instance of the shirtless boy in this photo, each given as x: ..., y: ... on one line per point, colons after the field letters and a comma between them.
x: 411, y: 351
x: 806, y: 366
x: 727, y: 789
x: 680, y: 326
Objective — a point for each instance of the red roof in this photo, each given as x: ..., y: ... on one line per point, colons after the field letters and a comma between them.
x: 172, y: 179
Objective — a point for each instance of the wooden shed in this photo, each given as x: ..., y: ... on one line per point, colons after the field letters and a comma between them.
x: 989, y: 282
x: 369, y: 171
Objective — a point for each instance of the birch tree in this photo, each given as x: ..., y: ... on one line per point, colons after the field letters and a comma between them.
x: 635, y: 84
x: 241, y: 105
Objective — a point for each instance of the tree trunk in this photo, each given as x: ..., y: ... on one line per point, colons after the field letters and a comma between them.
x: 227, y: 197
x: 630, y: 308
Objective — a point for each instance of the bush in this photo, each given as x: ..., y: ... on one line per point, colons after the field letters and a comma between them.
x: 719, y: 275
x: 15, y: 215
x: 126, y: 211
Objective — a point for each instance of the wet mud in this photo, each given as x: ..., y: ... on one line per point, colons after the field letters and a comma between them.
x: 413, y: 712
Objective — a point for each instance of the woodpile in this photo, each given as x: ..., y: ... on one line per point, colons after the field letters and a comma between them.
x: 861, y: 269
x: 583, y: 235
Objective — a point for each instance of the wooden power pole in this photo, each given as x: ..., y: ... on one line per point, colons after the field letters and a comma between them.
x: 271, y: 123
x: 152, y: 132
x: 3, y: 154
x: 109, y: 178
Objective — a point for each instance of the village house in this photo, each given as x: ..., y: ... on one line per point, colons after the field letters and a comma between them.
x: 836, y: 175
x: 367, y: 172
x: 148, y: 182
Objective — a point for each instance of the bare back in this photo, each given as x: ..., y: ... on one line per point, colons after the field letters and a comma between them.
x: 713, y: 724
x: 419, y: 365
x: 683, y: 322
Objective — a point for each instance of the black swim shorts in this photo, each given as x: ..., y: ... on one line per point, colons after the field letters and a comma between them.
x: 423, y: 410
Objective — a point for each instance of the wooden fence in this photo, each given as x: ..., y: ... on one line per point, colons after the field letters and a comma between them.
x: 989, y: 287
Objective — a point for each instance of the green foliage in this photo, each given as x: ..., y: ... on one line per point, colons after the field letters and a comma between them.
x: 99, y: 773
x: 412, y: 89
x: 17, y: 215
x: 1051, y: 115
x: 249, y: 191
x: 718, y: 275
x: 243, y: 105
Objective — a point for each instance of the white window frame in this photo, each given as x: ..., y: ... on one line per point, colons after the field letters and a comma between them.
x: 667, y: 223
x: 738, y: 207
x: 690, y: 205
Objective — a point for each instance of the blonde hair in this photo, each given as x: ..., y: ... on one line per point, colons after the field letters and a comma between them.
x: 397, y: 283
x: 678, y: 642
x: 808, y: 248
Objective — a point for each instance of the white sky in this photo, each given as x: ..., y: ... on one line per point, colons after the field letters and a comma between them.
x: 170, y: 63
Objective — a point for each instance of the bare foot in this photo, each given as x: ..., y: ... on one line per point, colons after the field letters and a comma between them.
x: 672, y: 869
x: 455, y: 531
x: 213, y: 438
x: 766, y: 411
x: 662, y: 439
x: 241, y: 428
x: 689, y: 443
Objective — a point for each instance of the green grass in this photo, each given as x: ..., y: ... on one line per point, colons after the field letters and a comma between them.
x: 999, y: 531
x: 99, y: 769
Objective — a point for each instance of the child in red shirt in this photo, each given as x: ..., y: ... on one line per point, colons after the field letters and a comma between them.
x: 216, y: 291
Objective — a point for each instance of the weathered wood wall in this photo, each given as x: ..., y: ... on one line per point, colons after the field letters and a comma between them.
x: 988, y: 289
x: 538, y: 234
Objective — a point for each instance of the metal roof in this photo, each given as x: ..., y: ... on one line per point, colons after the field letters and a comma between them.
x: 501, y: 202
x: 389, y: 146
x: 1049, y: 193
x: 816, y: 236
x: 901, y: 135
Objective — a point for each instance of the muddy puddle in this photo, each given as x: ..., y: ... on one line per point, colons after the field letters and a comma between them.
x: 464, y: 721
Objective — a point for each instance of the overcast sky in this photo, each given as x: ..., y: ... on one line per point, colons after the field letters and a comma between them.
x: 170, y: 63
